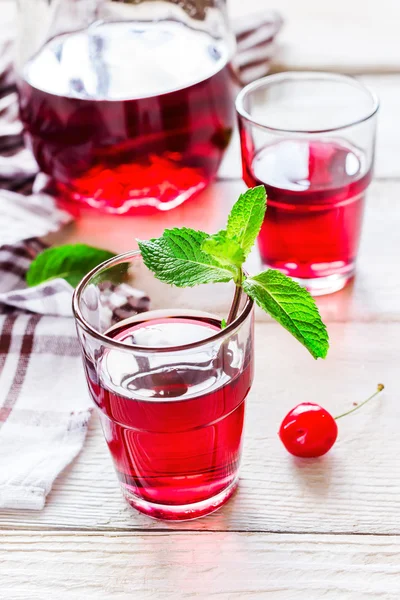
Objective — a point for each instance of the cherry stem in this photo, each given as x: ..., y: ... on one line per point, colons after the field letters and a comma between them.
x: 236, y: 300
x: 380, y: 387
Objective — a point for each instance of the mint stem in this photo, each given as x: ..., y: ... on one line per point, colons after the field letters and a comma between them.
x: 380, y: 387
x: 236, y: 300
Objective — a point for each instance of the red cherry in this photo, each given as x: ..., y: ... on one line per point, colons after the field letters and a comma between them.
x: 308, y: 430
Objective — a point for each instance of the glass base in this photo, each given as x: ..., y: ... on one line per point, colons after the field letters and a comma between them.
x: 186, y: 512
x: 320, y: 286
x: 73, y: 201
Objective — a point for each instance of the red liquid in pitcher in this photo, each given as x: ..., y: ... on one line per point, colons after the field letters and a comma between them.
x: 173, y: 427
x: 316, y: 192
x: 129, y: 114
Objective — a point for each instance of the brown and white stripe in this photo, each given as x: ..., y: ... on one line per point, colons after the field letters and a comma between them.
x: 44, y: 407
x: 256, y: 44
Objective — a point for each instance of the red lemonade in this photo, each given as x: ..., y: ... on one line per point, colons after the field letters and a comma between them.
x: 174, y: 429
x: 316, y: 192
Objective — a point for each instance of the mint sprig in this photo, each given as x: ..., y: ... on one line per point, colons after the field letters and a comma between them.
x: 185, y: 257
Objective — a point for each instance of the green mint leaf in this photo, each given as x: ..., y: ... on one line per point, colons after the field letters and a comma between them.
x: 292, y: 306
x: 227, y: 251
x: 223, y: 323
x: 177, y: 258
x: 246, y: 218
x: 71, y: 262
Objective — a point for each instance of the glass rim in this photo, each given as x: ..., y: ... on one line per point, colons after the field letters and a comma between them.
x: 296, y: 76
x: 245, y: 312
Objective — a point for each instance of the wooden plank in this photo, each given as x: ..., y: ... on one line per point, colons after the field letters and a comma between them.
x: 357, y: 36
x: 374, y: 292
x: 209, y: 565
x: 387, y: 88
x: 372, y: 296
x: 355, y: 488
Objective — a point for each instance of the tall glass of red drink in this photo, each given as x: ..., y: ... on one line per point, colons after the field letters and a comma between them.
x: 170, y: 387
x: 309, y: 139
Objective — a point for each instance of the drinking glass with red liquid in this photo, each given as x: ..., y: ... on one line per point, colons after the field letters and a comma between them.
x: 126, y: 106
x: 309, y: 139
x: 170, y: 386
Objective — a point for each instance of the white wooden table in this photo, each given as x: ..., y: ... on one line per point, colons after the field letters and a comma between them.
x: 328, y: 528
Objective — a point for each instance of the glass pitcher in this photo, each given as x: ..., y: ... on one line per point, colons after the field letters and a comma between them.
x: 126, y: 104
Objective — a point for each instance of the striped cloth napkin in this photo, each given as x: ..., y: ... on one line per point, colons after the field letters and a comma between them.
x: 44, y: 404
x: 255, y: 44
